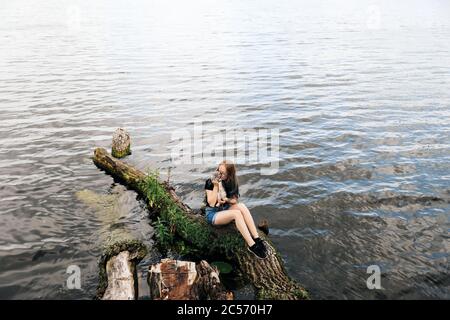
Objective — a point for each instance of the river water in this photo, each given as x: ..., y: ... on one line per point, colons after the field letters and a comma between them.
x: 358, y: 92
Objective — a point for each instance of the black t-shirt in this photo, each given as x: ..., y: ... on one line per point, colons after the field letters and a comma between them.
x: 230, y: 191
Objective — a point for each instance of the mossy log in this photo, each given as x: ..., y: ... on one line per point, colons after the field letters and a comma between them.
x: 178, y: 224
x: 185, y: 280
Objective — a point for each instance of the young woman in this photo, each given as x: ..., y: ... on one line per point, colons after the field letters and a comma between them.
x: 223, y: 211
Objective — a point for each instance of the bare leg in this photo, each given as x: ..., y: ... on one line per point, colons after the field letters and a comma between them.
x: 247, y: 218
x: 226, y: 216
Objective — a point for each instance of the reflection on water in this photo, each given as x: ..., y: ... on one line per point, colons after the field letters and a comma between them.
x: 359, y: 94
x: 112, y: 210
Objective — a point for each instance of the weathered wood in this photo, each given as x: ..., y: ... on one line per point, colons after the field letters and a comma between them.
x: 117, y: 270
x: 121, y: 143
x: 179, y: 223
x: 184, y: 280
x: 172, y: 280
x: 120, y: 271
x: 208, y: 285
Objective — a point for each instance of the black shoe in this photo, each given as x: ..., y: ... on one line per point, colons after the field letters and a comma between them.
x: 258, y: 240
x: 258, y: 251
x: 263, y: 245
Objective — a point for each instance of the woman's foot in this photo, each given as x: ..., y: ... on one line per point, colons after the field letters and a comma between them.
x: 258, y: 250
x: 261, y: 243
x: 258, y: 240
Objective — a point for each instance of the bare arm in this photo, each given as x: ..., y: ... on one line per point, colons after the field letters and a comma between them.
x: 232, y: 200
x: 211, y: 195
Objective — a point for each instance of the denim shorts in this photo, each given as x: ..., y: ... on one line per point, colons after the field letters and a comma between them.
x: 211, y: 212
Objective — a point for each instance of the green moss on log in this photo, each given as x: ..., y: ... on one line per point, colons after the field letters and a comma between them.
x: 120, y: 153
x: 173, y: 225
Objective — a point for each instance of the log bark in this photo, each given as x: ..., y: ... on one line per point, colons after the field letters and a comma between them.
x: 178, y: 223
x: 184, y: 280
x: 208, y: 285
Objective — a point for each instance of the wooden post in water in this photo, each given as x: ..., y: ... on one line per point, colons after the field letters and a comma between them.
x: 121, y: 143
x: 120, y: 271
x: 117, y: 270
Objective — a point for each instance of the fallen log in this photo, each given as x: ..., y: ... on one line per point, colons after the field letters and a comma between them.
x: 177, y: 224
x: 117, y: 270
x: 185, y: 280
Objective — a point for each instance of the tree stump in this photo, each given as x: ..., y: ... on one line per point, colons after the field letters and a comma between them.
x: 121, y: 143
x: 184, y: 280
x: 117, y: 270
x: 120, y: 271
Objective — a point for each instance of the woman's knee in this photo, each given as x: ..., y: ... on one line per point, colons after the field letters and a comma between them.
x: 243, y: 209
x: 237, y: 214
x: 242, y: 206
x: 235, y: 207
x: 239, y: 206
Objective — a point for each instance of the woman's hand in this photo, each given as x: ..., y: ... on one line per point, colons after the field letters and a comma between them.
x: 223, y: 201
